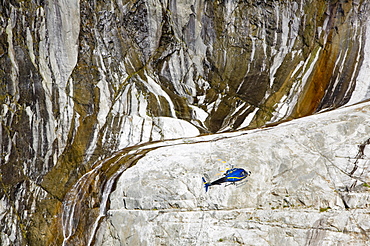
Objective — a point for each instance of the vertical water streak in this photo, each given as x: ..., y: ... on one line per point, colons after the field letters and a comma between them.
x: 106, y: 192
x: 78, y: 209
x: 69, y: 214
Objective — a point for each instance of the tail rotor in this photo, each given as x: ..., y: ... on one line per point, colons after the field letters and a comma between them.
x: 206, y: 184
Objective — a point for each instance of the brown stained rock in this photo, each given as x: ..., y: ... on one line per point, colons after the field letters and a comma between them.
x: 74, y: 84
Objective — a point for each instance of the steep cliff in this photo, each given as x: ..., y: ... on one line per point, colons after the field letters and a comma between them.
x: 87, y: 87
x: 309, y: 186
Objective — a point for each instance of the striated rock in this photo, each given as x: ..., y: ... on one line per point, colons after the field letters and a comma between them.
x: 85, y: 86
x: 309, y: 186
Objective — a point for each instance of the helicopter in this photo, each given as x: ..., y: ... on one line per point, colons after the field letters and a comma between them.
x: 232, y: 175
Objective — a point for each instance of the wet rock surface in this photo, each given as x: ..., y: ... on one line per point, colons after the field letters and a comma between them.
x: 88, y: 88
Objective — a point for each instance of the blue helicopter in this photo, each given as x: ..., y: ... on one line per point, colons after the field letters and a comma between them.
x: 232, y: 175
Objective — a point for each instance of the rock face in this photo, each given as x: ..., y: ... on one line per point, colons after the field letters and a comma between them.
x: 309, y: 186
x: 87, y: 89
